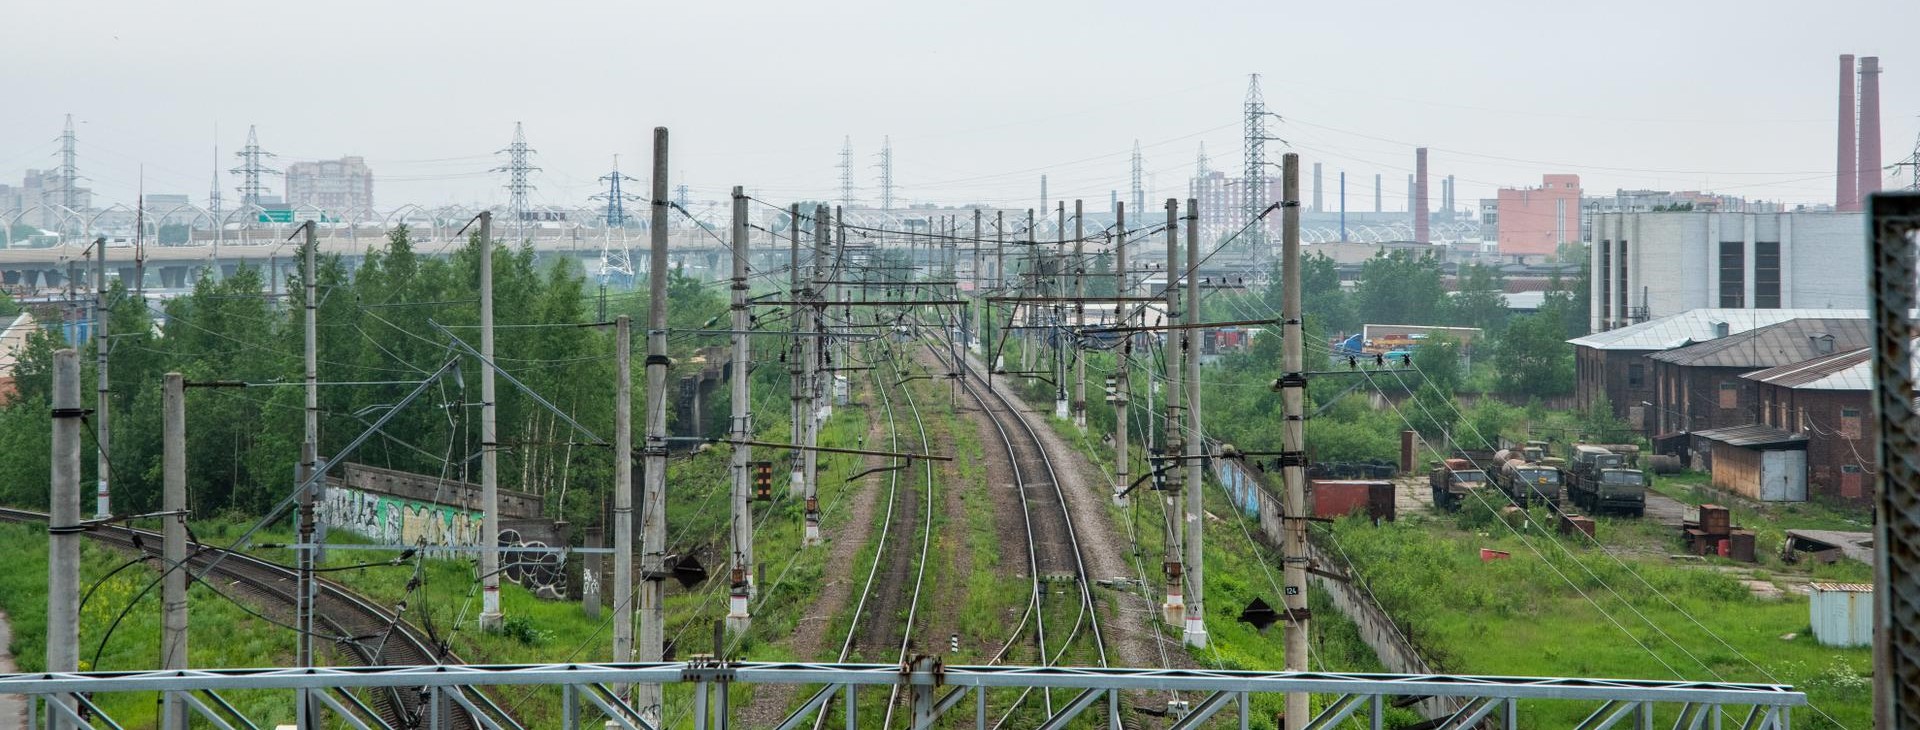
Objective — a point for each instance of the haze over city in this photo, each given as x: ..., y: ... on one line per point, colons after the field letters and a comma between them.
x: 980, y: 99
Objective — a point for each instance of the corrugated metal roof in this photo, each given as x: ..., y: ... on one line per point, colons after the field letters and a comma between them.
x: 1850, y: 370
x: 1842, y: 587
x: 1700, y: 325
x: 1781, y: 343
x: 1757, y: 434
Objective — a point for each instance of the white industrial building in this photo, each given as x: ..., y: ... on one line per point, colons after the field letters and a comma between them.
x: 1651, y: 265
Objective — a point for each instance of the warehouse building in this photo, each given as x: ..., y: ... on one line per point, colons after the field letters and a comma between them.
x: 1612, y: 365
x: 1646, y: 266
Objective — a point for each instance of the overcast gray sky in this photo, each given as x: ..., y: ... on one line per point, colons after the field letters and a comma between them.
x: 979, y: 97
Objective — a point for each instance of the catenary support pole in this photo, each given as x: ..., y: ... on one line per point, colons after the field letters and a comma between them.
x: 1196, y: 626
x: 1293, y: 471
x: 796, y: 355
x: 63, y: 520
x: 173, y: 535
x: 103, y: 472
x: 1056, y: 336
x: 1078, y: 268
x: 741, y: 587
x: 653, y: 501
x: 305, y: 583
x: 623, y: 489
x: 1123, y: 371
x: 489, y: 442
x: 813, y: 347
x: 978, y: 294
x: 1174, y: 608
x: 1027, y: 280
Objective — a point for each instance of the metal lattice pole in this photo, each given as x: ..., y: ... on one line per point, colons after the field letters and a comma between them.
x: 1895, y: 226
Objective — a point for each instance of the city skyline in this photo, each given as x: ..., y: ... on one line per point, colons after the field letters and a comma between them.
x: 965, y: 127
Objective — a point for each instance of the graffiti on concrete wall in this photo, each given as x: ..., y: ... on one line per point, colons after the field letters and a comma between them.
x: 394, y: 521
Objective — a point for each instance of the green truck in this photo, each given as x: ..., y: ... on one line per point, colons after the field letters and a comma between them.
x: 1602, y: 481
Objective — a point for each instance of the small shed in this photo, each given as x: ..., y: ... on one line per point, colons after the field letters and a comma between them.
x: 1759, y: 462
x: 1841, y: 613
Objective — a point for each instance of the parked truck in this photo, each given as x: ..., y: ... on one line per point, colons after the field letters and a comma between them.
x: 1601, y: 481
x: 1526, y: 481
x: 1454, y: 480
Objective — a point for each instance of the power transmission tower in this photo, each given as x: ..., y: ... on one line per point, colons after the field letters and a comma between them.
x: 846, y: 171
x: 519, y: 166
x: 615, y: 199
x: 886, y: 173
x: 1253, y: 192
x: 1139, y: 192
x: 252, y: 167
x: 1200, y: 164
x: 614, y: 256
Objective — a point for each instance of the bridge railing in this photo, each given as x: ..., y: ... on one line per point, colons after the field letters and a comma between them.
x: 596, y: 693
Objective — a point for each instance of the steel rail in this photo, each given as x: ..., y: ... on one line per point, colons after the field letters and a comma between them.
x: 264, y: 579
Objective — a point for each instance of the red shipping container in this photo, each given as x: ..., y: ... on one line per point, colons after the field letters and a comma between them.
x: 1334, y: 498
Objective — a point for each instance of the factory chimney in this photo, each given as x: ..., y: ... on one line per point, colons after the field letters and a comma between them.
x: 1420, y: 195
x: 1846, y: 193
x: 1869, y: 169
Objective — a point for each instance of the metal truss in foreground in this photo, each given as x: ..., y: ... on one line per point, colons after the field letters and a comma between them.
x: 593, y: 693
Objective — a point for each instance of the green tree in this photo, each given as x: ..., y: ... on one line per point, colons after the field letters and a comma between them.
x: 1534, y: 358
x: 1479, y: 299
x: 1399, y: 287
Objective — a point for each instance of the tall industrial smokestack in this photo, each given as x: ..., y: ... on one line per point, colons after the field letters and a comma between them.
x: 1870, y: 172
x: 1420, y: 195
x: 1316, y: 187
x: 1378, y: 200
x: 1846, y: 192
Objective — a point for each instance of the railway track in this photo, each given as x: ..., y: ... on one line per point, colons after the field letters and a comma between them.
x: 869, y: 625
x: 363, y: 632
x: 1053, y: 547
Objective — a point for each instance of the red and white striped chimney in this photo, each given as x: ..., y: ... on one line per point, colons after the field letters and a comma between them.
x: 1869, y: 169
x: 1846, y: 193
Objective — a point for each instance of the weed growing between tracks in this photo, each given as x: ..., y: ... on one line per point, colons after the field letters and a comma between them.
x: 220, y: 634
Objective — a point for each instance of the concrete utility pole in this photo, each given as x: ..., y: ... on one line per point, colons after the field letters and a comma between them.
x: 742, y: 426
x: 1079, y: 314
x: 999, y: 248
x: 810, y: 459
x: 63, y: 511
x: 1056, y: 287
x: 979, y: 295
x: 653, y: 501
x: 489, y: 442
x: 623, y: 489
x: 102, y: 506
x: 1293, y: 439
x: 1027, y: 287
x: 309, y: 449
x: 1196, y: 627
x: 1123, y: 372
x: 173, y: 532
x: 796, y: 355
x: 1174, y: 609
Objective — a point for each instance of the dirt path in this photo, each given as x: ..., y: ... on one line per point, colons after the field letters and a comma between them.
x: 811, y: 642
x: 13, y: 708
x: 1665, y: 510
